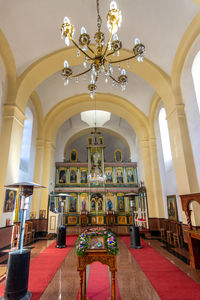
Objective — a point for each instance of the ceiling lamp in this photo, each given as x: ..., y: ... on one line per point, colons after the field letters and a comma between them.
x: 95, y: 117
x: 99, y: 58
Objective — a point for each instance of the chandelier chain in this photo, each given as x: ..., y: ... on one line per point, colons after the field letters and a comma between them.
x: 99, y: 20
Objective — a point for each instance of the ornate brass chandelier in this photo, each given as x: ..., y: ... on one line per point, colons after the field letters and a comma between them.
x: 98, y: 58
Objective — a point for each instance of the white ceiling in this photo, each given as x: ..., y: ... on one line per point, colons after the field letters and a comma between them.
x: 33, y: 27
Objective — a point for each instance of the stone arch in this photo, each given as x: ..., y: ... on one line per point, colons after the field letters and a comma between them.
x: 39, y: 113
x: 115, y: 104
x: 10, y: 66
x: 53, y: 62
x: 187, y: 41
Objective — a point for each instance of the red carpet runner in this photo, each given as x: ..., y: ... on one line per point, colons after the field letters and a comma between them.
x: 168, y: 280
x: 98, y: 287
x: 44, y: 266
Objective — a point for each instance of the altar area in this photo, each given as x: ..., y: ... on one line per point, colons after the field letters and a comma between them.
x: 92, y: 201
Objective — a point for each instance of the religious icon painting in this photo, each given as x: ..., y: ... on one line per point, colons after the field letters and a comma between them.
x: 83, y: 174
x: 90, y: 141
x: 100, y: 204
x: 93, y: 205
x: 62, y: 175
x: 118, y: 155
x: 73, y: 203
x: 73, y: 155
x: 73, y: 175
x: 119, y: 175
x: 83, y: 202
x: 120, y: 202
x: 171, y: 207
x: 109, y: 175
x: 130, y: 175
x: 110, y: 201
x: 9, y: 203
x: 100, y: 140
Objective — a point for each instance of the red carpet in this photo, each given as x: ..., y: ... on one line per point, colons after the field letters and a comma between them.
x: 44, y: 266
x: 98, y: 287
x: 168, y: 280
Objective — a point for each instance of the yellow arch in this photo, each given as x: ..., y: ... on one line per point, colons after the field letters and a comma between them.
x: 39, y: 113
x: 188, y: 39
x: 48, y: 65
x: 10, y: 66
x: 152, y: 113
x: 197, y: 2
x: 108, y: 102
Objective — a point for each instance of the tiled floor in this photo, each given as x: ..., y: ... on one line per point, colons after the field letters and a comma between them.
x: 131, y: 279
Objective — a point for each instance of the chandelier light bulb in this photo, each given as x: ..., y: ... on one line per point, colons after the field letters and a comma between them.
x: 113, y: 5
x: 123, y: 72
x: 66, y: 20
x: 137, y: 41
x: 106, y: 80
x: 83, y: 30
x: 66, y: 64
x: 85, y: 64
x: 115, y: 37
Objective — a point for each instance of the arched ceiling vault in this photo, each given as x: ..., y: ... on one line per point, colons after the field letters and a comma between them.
x: 52, y: 63
x: 87, y: 131
x: 114, y: 104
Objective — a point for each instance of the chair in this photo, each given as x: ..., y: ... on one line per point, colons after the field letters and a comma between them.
x: 32, y: 231
x: 27, y: 234
x: 15, y: 236
x: 169, y: 233
x: 177, y: 236
x: 163, y: 230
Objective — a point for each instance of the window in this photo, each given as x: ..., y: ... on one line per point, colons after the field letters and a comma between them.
x: 196, y: 77
x: 164, y: 133
x: 26, y: 140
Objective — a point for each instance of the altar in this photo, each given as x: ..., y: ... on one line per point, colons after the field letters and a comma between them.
x: 98, y: 189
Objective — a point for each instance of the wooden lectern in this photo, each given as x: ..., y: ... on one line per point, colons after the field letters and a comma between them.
x: 92, y: 256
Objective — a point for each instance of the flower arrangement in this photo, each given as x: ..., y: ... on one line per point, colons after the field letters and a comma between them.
x: 109, y: 238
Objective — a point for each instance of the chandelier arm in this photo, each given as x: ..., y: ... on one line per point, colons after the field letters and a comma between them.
x: 77, y: 46
x: 114, y: 79
x: 111, y: 34
x: 121, y: 60
x: 79, y: 74
x: 110, y: 53
x: 90, y: 49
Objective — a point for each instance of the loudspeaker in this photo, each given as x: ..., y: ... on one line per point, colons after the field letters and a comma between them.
x: 61, y: 237
x: 17, y: 275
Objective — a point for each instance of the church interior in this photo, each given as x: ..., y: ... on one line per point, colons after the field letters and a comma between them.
x: 99, y: 156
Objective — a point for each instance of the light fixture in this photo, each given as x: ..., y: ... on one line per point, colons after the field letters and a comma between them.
x: 98, y: 59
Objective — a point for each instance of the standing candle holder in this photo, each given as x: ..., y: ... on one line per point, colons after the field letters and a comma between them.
x: 61, y: 232
x: 16, y: 287
x: 134, y: 230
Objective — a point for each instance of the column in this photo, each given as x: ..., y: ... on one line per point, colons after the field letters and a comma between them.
x: 156, y: 179
x: 182, y: 151
x: 147, y: 175
x: 39, y: 156
x: 10, y: 150
x: 48, y: 168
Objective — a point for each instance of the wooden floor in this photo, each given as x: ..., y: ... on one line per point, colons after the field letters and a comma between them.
x: 132, y: 282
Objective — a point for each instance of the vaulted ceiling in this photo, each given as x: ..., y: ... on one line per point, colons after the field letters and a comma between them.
x: 32, y: 29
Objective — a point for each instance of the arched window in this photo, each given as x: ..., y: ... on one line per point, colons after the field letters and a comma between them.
x: 164, y: 133
x: 196, y: 77
x: 26, y: 140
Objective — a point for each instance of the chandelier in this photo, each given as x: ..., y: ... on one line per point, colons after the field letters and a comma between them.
x: 99, y: 58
